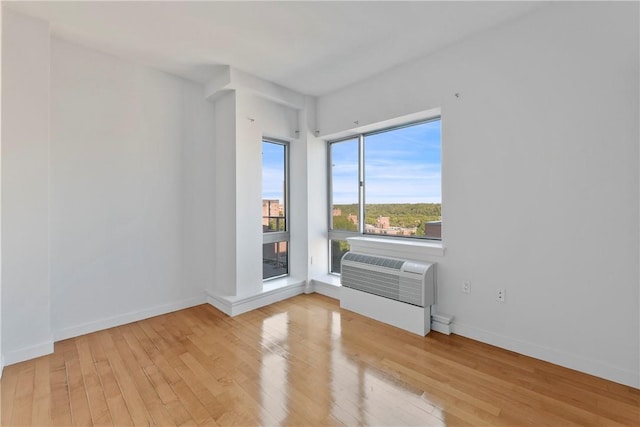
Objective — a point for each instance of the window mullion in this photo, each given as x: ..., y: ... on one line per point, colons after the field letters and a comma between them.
x: 361, y: 212
x: 274, y: 237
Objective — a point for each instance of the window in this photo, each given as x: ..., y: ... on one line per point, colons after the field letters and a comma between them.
x: 385, y: 183
x: 275, y: 228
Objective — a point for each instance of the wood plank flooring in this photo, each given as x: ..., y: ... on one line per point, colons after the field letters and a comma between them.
x: 298, y: 362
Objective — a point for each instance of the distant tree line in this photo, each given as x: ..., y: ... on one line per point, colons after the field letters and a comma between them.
x: 405, y: 215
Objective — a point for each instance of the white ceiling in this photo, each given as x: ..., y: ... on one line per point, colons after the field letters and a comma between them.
x: 311, y: 47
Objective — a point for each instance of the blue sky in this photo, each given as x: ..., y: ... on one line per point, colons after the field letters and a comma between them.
x: 401, y: 166
x: 272, y: 171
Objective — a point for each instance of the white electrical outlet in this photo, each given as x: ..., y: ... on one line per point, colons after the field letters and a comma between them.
x: 466, y: 287
x: 500, y: 295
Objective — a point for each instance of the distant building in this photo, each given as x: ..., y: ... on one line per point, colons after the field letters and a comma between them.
x: 270, y: 209
x: 387, y: 230
x: 337, y: 212
x: 353, y: 218
x: 433, y: 229
x: 383, y: 222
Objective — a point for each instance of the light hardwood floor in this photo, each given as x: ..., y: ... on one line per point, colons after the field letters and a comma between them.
x: 298, y: 362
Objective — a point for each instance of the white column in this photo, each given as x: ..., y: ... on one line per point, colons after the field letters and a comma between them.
x: 225, y: 206
x: 26, y: 307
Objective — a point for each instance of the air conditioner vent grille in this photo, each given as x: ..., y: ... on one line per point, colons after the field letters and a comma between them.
x: 383, y: 284
x: 374, y: 260
x: 386, y: 277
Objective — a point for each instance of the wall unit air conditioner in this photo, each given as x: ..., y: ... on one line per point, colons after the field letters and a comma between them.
x: 394, y: 291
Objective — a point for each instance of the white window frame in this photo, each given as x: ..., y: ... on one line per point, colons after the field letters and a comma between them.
x: 344, y: 234
x: 281, y: 236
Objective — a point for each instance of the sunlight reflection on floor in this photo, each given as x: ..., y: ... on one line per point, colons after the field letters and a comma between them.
x: 347, y: 388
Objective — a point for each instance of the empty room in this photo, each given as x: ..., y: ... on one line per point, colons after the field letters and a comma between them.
x: 378, y: 213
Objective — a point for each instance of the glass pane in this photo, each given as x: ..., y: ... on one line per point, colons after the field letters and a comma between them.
x: 402, y: 170
x: 273, y: 187
x: 344, y: 184
x: 338, y: 249
x: 275, y: 259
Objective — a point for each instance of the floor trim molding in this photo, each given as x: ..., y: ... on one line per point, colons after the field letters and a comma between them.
x: 123, y: 319
x: 27, y: 353
x: 567, y: 360
x: 233, y: 306
x: 331, y: 291
x: 441, y: 323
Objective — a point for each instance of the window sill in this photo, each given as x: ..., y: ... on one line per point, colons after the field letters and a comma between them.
x: 328, y: 279
x: 399, y: 248
x: 279, y: 283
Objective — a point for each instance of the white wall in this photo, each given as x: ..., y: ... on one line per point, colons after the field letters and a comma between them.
x: 316, y: 195
x: 1, y: 354
x: 198, y: 188
x: 25, y: 188
x: 248, y: 176
x: 540, y: 180
x: 225, y: 191
x: 123, y: 193
x: 300, y: 194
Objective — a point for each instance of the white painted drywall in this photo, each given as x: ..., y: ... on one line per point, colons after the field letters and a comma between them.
x: 225, y: 192
x: 1, y: 356
x: 317, y: 195
x: 25, y: 188
x: 124, y: 195
x: 540, y: 180
x: 198, y: 188
x: 248, y: 173
x: 299, y: 263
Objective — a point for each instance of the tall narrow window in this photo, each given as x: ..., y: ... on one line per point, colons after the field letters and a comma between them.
x: 385, y: 183
x: 344, y: 157
x: 275, y: 241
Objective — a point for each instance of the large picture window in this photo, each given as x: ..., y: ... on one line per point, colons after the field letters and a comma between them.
x: 386, y: 183
x: 275, y: 240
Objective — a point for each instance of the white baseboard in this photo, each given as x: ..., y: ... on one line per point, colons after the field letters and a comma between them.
x: 441, y: 322
x: 439, y: 327
x: 219, y: 302
x: 568, y: 360
x: 331, y: 291
x: 123, y: 319
x: 233, y: 306
x: 443, y: 328
x: 26, y: 353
